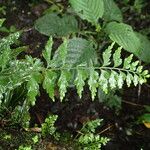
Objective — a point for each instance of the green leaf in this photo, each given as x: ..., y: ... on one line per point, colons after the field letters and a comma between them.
x: 127, y: 62
x: 80, y: 80
x: 112, y: 12
x: 134, y: 65
x: 145, y: 72
x: 88, y: 9
x: 142, y: 80
x: 33, y: 87
x: 47, y: 52
x: 135, y: 80
x: 117, y: 57
x: 144, y: 53
x: 145, y: 118
x: 79, y: 51
x: 103, y: 80
x: 9, y: 40
x: 124, y: 35
x: 5, y: 50
x: 63, y: 83
x: 15, y: 52
x: 5, y: 57
x: 112, y: 79
x: 53, y: 25
x: 49, y: 83
x: 129, y: 79
x: 121, y: 79
x: 63, y: 50
x: 93, y: 82
x: 111, y: 100
x: 2, y: 21
x: 107, y: 55
x: 147, y: 108
x: 139, y: 69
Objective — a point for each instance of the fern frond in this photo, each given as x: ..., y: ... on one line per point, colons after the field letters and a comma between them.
x: 112, y: 74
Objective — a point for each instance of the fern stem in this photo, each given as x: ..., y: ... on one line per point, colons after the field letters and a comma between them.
x: 96, y: 68
x: 118, y: 69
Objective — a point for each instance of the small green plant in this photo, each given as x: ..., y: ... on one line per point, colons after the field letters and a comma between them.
x: 3, y: 10
x: 35, y: 139
x: 87, y: 139
x: 111, y: 100
x: 145, y: 117
x: 48, y: 127
x: 24, y: 147
x: 7, y: 136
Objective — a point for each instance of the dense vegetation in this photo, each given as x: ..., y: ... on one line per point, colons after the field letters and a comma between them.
x: 91, y: 52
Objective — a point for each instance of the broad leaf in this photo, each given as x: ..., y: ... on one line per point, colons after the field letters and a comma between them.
x: 145, y: 48
x: 88, y: 9
x: 124, y: 35
x: 79, y: 51
x: 112, y: 11
x: 53, y: 25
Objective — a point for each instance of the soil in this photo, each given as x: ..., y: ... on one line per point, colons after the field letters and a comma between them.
x: 120, y: 126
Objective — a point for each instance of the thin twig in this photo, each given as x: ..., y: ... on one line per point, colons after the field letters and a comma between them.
x: 109, y: 127
x: 131, y: 103
x: 139, y: 91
